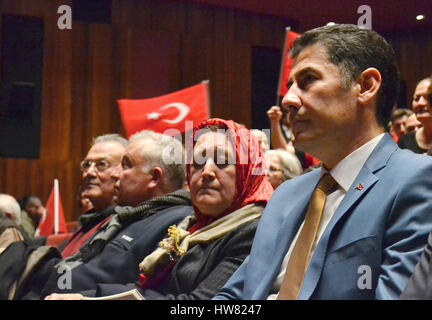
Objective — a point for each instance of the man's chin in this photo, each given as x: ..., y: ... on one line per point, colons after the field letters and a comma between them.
x: 94, y: 195
x: 304, y: 143
x: 120, y: 201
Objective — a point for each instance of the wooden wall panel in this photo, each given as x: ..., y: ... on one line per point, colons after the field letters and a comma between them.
x: 24, y: 7
x: 99, y: 94
x: 151, y: 57
x: 20, y: 176
x: 79, y: 134
x: 56, y: 89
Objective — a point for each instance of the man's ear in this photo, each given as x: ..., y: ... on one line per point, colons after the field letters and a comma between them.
x: 370, y: 83
x: 156, y: 179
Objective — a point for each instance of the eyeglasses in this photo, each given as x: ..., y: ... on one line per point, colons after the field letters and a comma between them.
x: 100, y: 165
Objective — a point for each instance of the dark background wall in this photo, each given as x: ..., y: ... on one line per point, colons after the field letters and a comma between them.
x: 146, y: 48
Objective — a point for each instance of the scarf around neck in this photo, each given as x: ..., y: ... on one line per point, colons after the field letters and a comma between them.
x: 123, y: 217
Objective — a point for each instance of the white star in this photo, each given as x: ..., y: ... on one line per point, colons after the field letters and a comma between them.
x: 153, y: 115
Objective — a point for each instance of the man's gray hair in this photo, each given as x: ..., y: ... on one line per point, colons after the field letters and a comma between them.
x: 291, y: 165
x: 110, y: 137
x: 163, y: 151
x: 8, y: 204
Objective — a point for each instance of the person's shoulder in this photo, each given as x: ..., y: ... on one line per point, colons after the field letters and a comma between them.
x: 249, y: 226
x: 169, y: 214
x: 12, y: 234
x: 243, y: 234
x: 405, y: 165
x: 298, y: 184
x: 410, y: 158
x: 173, y: 213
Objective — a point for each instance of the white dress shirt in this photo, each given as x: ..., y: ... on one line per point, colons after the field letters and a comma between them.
x: 344, y: 174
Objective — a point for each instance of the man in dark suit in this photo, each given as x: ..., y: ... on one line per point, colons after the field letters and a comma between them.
x: 355, y: 228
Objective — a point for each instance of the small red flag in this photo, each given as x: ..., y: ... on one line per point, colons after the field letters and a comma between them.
x: 53, y: 220
x: 170, y: 111
x: 286, y: 63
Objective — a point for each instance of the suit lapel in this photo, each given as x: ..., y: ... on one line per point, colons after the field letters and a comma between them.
x: 365, y: 180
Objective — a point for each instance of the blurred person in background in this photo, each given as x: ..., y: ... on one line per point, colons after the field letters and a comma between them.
x: 281, y: 165
x: 420, y: 141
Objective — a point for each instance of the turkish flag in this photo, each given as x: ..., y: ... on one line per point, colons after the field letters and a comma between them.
x: 53, y: 220
x: 286, y: 63
x: 170, y: 111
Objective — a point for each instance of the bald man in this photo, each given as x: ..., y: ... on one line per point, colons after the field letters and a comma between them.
x: 10, y: 215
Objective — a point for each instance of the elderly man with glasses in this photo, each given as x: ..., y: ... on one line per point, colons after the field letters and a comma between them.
x: 97, y: 166
x: 98, y: 186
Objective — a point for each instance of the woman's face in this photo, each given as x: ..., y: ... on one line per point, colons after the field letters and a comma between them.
x: 213, y: 174
x: 274, y: 171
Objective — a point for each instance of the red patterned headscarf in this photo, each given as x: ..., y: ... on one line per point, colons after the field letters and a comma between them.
x: 252, y: 185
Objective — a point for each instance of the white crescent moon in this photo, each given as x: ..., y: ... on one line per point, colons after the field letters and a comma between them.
x: 181, y: 107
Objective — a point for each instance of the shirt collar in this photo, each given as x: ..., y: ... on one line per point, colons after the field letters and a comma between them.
x: 349, y: 167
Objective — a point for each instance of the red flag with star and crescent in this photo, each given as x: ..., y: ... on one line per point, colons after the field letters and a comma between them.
x: 180, y: 110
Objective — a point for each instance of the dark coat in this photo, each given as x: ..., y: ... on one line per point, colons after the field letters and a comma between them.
x: 119, y: 259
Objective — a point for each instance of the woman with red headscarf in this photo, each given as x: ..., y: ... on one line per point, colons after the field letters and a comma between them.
x: 229, y: 190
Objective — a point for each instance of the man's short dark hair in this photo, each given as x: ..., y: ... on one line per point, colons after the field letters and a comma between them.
x: 353, y: 50
x: 399, y: 113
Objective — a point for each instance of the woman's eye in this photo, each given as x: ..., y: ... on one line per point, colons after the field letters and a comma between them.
x: 222, y: 164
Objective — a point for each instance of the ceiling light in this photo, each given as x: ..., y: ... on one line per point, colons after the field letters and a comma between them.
x: 331, y: 24
x: 420, y: 17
